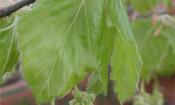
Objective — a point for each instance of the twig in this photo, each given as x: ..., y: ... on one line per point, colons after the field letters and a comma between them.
x: 111, y: 97
x: 7, y: 11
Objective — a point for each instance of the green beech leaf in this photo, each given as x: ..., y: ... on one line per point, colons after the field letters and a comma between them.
x: 167, y: 66
x: 126, y: 61
x: 153, y: 48
x: 64, y: 40
x: 9, y: 52
x: 156, y: 50
x: 169, y: 33
x: 57, y: 39
x: 104, y: 49
x: 95, y: 84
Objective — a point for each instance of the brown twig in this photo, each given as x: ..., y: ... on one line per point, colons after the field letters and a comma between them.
x: 7, y: 11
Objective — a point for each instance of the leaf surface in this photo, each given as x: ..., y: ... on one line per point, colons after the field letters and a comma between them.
x: 126, y: 62
x: 58, y: 42
x: 153, y: 48
x: 9, y: 52
x: 66, y: 39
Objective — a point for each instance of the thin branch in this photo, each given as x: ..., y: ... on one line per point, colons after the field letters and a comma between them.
x: 7, y: 11
x: 111, y: 97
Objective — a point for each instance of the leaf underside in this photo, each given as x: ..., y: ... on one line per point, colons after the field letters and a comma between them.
x: 64, y: 40
x: 9, y: 52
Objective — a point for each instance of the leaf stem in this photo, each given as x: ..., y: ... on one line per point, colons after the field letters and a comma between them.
x: 7, y: 11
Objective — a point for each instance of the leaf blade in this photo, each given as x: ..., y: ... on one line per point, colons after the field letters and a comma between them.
x: 9, y: 51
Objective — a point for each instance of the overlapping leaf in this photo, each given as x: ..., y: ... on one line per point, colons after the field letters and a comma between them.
x: 126, y: 62
x: 105, y: 42
x: 153, y: 48
x: 169, y: 33
x: 57, y: 41
x: 156, y: 50
x: 9, y: 52
x: 167, y: 66
x: 125, y: 59
x: 64, y: 40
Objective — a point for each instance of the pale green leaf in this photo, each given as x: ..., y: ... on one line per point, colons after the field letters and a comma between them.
x: 64, y: 40
x: 167, y: 66
x: 169, y: 33
x: 58, y: 39
x: 9, y: 52
x: 95, y: 84
x: 126, y: 62
x: 156, y: 50
x: 153, y: 48
x: 104, y: 49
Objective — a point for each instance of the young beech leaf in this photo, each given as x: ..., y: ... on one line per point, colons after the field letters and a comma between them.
x: 9, y: 52
x: 63, y: 40
x: 105, y: 43
x: 153, y: 48
x: 169, y: 33
x: 126, y: 62
x: 58, y: 38
x: 167, y: 66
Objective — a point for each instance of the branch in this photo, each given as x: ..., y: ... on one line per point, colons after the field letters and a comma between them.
x: 7, y: 11
x: 111, y: 97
